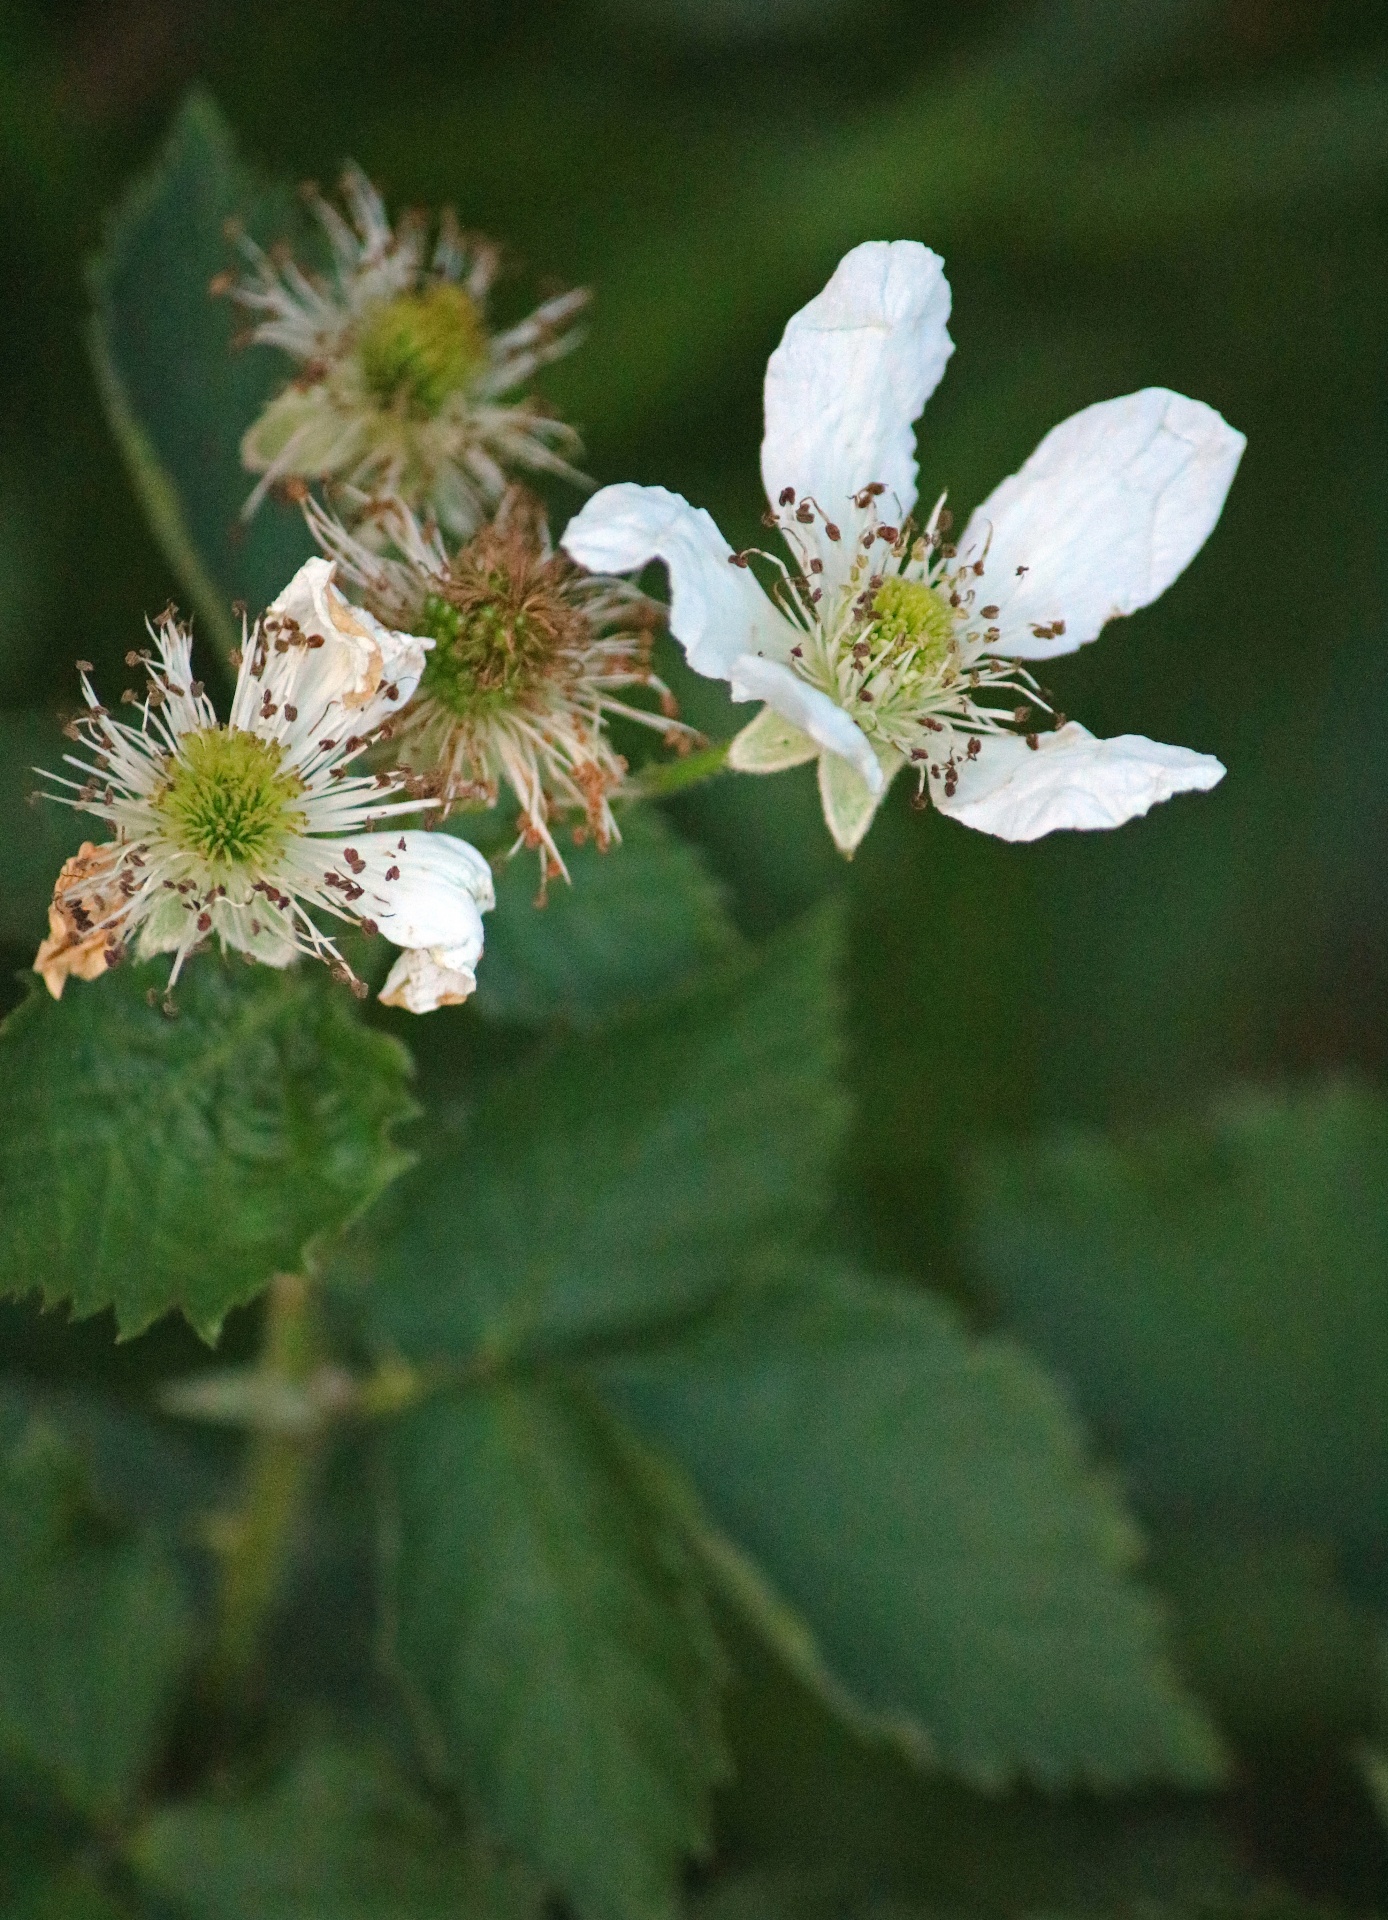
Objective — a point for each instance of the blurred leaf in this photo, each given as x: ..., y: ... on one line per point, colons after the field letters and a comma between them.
x: 923, y: 1500
x: 149, y: 1162
x: 549, y: 1629
x: 339, y: 1838
x: 176, y: 395
x: 811, y: 1797
x: 637, y: 921
x: 625, y: 1178
x: 67, y: 1893
x: 1215, y: 1294
x: 94, y: 1630
x: 1270, y: 1640
x: 37, y: 837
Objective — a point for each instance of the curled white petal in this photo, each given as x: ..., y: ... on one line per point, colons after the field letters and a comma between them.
x: 421, y: 889
x: 810, y: 710
x: 1115, y: 503
x: 851, y: 374
x: 354, y: 672
x: 425, y: 978
x: 1070, y: 779
x: 717, y: 609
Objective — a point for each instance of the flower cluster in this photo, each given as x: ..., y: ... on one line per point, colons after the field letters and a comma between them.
x: 531, y: 657
x: 442, y: 618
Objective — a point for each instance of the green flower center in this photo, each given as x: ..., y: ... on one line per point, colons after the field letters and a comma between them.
x: 908, y: 614
x: 228, y: 799
x: 424, y: 346
x: 484, y: 656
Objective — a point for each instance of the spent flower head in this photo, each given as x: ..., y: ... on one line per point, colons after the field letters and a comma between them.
x: 884, y: 644
x: 401, y: 386
x: 241, y: 832
x: 530, y: 659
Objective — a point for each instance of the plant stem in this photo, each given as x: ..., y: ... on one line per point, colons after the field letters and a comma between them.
x: 256, y: 1541
x: 673, y: 776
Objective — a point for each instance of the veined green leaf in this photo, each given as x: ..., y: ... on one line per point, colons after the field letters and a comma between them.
x: 923, y: 1500
x: 94, y: 1630
x: 638, y: 920
x: 624, y: 1178
x: 339, y: 1838
x: 555, y: 1643
x: 149, y: 1162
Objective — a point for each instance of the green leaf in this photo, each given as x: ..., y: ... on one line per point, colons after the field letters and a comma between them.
x: 556, y: 1647
x: 149, y: 1162
x: 924, y: 1501
x: 178, y: 398
x: 637, y: 921
x: 1215, y: 1294
x: 339, y: 1838
x: 94, y: 1631
x: 38, y: 837
x: 625, y: 1178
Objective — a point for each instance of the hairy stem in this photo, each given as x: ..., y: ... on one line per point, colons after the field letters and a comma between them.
x: 673, y: 776
x: 255, y: 1541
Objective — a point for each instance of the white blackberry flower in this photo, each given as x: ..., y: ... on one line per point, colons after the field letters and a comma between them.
x: 882, y: 644
x: 242, y: 832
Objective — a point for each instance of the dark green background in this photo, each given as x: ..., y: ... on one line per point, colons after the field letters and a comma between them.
x: 1175, y: 193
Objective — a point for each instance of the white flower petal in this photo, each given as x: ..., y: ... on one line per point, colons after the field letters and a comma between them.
x: 426, y: 978
x: 421, y: 889
x: 852, y: 372
x: 849, y: 802
x: 1070, y: 779
x: 770, y: 744
x: 1111, y: 507
x: 808, y: 709
x: 717, y: 610
x: 358, y: 672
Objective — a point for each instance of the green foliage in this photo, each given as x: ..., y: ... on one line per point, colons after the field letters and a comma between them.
x: 150, y: 1162
x: 178, y: 399
x: 637, y: 921
x: 94, y: 1631
x: 550, y: 1631
x: 1214, y: 1292
x: 623, y: 1179
x: 339, y: 1837
x: 923, y: 1499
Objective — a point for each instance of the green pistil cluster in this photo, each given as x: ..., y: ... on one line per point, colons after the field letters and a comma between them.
x: 422, y: 347
x: 910, y: 616
x: 228, y: 799
x: 484, y: 657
